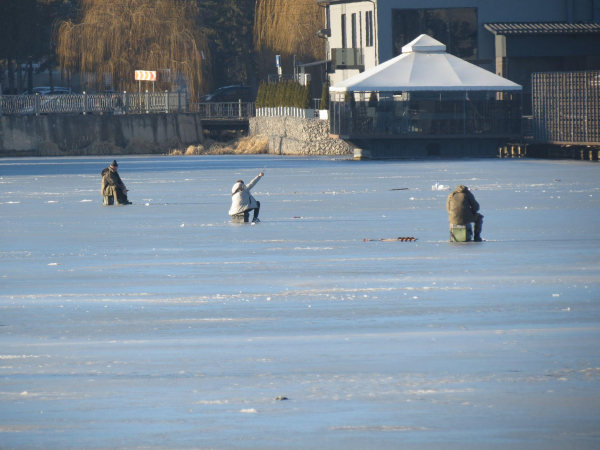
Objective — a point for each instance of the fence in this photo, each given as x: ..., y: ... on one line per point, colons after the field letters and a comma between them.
x: 566, y: 107
x: 527, y: 127
x: 234, y: 110
x: 286, y: 111
x: 125, y: 103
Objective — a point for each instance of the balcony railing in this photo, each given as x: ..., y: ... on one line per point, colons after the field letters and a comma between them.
x: 347, y: 58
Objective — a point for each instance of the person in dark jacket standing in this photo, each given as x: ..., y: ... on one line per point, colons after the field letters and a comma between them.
x: 113, y: 186
x: 463, y: 209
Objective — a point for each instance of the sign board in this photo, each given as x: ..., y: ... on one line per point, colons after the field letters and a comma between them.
x: 147, y: 75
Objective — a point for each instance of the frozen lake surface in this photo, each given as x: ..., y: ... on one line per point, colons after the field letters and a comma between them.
x: 161, y: 325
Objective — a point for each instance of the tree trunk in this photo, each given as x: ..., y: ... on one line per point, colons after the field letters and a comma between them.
x: 11, y: 77
x: 30, y: 75
x: 20, y: 77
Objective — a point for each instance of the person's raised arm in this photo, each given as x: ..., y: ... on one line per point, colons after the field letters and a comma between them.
x: 254, y: 181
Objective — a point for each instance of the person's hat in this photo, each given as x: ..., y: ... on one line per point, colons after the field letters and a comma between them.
x: 114, y: 163
x: 238, y: 186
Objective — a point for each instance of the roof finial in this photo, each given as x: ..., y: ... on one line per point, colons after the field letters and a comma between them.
x: 424, y: 44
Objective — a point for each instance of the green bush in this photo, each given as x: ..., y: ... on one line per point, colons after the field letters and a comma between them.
x: 288, y: 98
x: 260, y: 95
x: 297, y: 95
x: 285, y: 93
x: 372, y: 99
x: 307, y: 96
x: 325, y: 96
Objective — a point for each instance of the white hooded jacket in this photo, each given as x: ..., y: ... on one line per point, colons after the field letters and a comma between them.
x: 241, y: 199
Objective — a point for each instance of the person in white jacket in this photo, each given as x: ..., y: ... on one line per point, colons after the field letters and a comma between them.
x: 241, y: 199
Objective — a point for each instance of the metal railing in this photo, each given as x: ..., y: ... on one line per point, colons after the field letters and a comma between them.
x: 233, y: 110
x: 527, y: 127
x: 566, y: 107
x: 347, y: 57
x: 125, y: 103
x: 276, y: 78
x: 284, y: 111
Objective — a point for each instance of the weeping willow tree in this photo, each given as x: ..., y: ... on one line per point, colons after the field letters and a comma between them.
x: 287, y: 28
x: 117, y: 37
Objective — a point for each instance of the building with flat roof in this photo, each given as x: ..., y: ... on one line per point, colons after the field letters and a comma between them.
x: 511, y: 38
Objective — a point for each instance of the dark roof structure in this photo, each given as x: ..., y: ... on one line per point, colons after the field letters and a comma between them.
x: 515, y: 28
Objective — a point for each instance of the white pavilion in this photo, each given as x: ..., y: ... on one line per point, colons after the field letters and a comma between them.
x: 426, y: 92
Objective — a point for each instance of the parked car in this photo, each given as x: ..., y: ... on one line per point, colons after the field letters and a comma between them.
x: 45, y: 90
x: 227, y: 94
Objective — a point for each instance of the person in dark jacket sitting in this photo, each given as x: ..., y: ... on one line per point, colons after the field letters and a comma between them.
x: 463, y: 209
x: 112, y: 186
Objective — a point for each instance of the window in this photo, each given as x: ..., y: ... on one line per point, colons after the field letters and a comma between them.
x: 454, y: 27
x: 360, y: 27
x: 343, y: 30
x: 353, y: 23
x: 369, y: 28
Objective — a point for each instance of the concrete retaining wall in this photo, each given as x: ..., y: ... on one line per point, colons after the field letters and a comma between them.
x: 92, y: 134
x: 295, y: 136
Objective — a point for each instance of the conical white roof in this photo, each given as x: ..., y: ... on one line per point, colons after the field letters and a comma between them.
x: 424, y: 65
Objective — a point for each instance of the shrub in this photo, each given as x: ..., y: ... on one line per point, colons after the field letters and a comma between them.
x: 325, y: 96
x: 260, y: 95
x: 372, y: 99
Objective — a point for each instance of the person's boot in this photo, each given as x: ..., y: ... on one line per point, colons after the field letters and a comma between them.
x: 477, y: 237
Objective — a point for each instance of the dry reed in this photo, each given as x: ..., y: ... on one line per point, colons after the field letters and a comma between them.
x: 287, y: 28
x: 249, y: 145
x: 117, y: 37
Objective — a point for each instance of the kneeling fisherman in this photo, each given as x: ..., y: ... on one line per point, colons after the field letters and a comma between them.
x: 242, y: 200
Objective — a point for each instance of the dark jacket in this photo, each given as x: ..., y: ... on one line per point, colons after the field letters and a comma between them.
x: 461, y: 206
x: 111, y: 181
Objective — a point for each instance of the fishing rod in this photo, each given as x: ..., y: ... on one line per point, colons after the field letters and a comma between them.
x: 398, y: 239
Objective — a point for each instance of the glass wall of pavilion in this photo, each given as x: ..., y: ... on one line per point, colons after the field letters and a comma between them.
x: 431, y: 114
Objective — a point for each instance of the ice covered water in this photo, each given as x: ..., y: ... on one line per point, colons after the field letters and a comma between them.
x: 163, y: 325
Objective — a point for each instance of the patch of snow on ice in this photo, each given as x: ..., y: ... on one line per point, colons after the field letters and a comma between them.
x: 211, y: 402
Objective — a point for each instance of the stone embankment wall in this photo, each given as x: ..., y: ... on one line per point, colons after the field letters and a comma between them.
x: 295, y: 136
x: 62, y: 134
